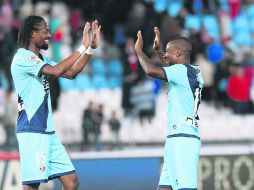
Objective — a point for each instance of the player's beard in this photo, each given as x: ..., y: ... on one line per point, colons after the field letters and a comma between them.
x: 44, y: 46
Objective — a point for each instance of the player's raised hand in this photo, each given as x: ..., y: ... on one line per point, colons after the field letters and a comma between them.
x: 96, y: 34
x: 139, y: 42
x: 157, y: 39
x: 85, y: 40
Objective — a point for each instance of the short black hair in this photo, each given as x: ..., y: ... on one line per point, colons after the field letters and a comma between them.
x: 183, y: 44
x: 26, y: 29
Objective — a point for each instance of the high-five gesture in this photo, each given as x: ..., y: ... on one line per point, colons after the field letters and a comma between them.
x: 157, y: 39
x: 95, y: 34
x: 85, y: 40
x: 157, y: 46
x: 139, y: 42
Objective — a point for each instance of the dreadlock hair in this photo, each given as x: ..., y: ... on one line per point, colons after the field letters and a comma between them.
x: 26, y: 29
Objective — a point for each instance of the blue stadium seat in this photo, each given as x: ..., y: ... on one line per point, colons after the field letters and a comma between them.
x: 66, y: 84
x: 243, y: 39
x: 160, y: 5
x: 114, y: 82
x: 240, y: 24
x: 99, y: 81
x: 98, y: 67
x: 251, y: 25
x: 174, y: 8
x: 4, y: 81
x: 250, y: 11
x: 211, y: 24
x: 82, y: 82
x: 192, y: 22
x: 224, y: 5
x: 115, y: 67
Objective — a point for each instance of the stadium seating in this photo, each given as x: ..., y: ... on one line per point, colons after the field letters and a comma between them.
x: 193, y: 22
x: 216, y: 124
x: 243, y: 38
x: 99, y: 81
x: 82, y: 82
x: 114, y: 82
x: 114, y: 68
x: 241, y: 24
x: 98, y: 66
x: 250, y: 11
x: 160, y: 5
x: 174, y: 7
x: 66, y: 84
x: 211, y: 24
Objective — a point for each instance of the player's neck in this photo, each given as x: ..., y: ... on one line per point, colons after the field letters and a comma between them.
x: 34, y: 49
x: 183, y: 61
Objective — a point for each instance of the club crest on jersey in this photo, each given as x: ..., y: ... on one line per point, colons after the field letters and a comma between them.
x: 35, y: 60
x: 42, y: 169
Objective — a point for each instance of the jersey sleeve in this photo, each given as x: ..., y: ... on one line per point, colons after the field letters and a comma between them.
x: 31, y: 64
x: 174, y: 73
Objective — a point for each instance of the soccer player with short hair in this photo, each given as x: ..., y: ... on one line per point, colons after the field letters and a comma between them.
x: 182, y: 147
x: 42, y: 156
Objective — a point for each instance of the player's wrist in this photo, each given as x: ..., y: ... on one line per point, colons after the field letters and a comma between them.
x: 81, y: 49
x: 90, y: 50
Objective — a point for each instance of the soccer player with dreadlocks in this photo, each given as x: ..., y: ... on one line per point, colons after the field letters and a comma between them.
x: 42, y: 156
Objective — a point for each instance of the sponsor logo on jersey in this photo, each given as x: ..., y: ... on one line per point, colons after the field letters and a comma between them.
x: 35, y: 60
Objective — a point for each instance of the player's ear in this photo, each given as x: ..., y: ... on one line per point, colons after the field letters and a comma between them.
x: 33, y: 34
x: 178, y: 53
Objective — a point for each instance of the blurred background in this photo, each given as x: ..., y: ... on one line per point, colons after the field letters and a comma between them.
x: 113, y: 111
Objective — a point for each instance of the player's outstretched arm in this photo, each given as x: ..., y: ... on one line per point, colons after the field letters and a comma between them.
x: 144, y: 61
x: 72, y: 65
x: 157, y: 46
x: 78, y: 66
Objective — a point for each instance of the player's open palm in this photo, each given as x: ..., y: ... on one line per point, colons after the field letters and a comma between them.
x: 96, y: 29
x: 85, y: 40
x: 139, y: 42
x: 157, y: 39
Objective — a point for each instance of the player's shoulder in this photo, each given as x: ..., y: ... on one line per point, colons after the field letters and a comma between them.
x: 23, y: 55
x: 21, y: 52
x: 175, y: 67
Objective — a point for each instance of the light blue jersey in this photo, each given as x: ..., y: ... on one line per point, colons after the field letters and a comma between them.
x: 44, y: 158
x: 182, y: 147
x: 185, y: 84
x: 35, y: 112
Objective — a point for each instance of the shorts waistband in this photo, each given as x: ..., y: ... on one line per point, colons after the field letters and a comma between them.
x: 183, y: 135
x: 41, y: 132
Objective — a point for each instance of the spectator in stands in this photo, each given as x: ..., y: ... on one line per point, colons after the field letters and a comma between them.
x: 57, y: 38
x: 220, y: 80
x: 115, y: 125
x: 234, y: 7
x: 130, y: 74
x: 75, y: 21
x: 143, y: 100
x: 9, y: 121
x: 208, y: 72
x: 131, y: 54
x: 98, y: 119
x: 197, y: 44
x: 88, y: 122
x: 238, y: 90
x: 7, y: 43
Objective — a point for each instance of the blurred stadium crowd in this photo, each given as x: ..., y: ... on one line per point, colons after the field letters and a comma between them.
x: 112, y: 102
